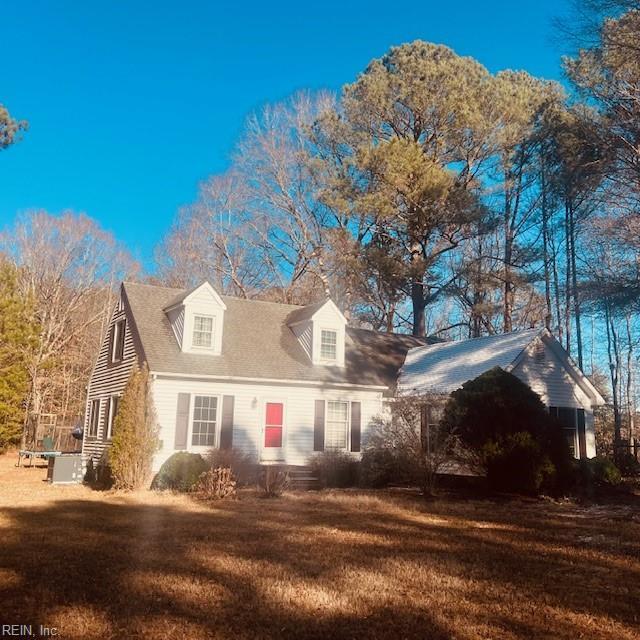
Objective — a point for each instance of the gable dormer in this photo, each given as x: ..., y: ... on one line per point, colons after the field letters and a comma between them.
x: 197, y: 320
x: 321, y: 330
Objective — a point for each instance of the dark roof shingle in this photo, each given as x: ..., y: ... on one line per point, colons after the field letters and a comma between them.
x: 258, y: 343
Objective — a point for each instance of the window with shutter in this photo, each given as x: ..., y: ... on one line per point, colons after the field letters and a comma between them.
x: 205, y: 419
x: 337, y: 425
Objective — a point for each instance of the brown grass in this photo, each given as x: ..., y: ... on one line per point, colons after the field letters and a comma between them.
x: 325, y: 565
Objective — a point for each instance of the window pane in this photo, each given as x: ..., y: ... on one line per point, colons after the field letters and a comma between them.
x: 328, y: 342
x: 336, y: 425
x: 202, y: 331
x: 205, y: 410
x: 274, y: 414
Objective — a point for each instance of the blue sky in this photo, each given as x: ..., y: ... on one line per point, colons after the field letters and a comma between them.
x: 131, y: 104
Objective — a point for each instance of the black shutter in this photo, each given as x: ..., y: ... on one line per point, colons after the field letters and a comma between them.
x: 182, y: 422
x: 355, y: 426
x: 318, y: 426
x: 582, y: 440
x: 226, y: 426
x: 553, y: 411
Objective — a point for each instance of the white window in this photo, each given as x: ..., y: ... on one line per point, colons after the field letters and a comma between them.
x: 112, y: 410
x: 117, y: 341
x: 337, y: 425
x: 328, y: 344
x: 205, y: 419
x: 94, y: 417
x: 203, y: 331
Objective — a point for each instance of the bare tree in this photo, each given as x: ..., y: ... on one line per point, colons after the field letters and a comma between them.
x: 69, y: 267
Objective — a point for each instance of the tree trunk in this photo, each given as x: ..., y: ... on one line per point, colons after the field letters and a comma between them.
x: 614, y: 361
x: 631, y: 405
x: 417, y: 289
x: 567, y: 284
x: 574, y: 285
x: 548, y: 318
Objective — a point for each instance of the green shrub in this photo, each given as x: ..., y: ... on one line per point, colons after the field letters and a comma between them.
x: 518, y: 464
x: 506, y: 425
x: 104, y: 476
x: 602, y: 471
x: 243, y: 465
x: 136, y: 434
x: 180, y: 472
x: 335, y: 469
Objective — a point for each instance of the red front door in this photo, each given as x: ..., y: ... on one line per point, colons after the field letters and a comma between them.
x: 273, y: 430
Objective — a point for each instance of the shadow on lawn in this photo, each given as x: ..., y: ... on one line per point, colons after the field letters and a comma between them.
x: 284, y: 568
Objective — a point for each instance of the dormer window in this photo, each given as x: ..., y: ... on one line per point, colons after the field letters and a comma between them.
x: 328, y: 345
x: 203, y: 332
x: 117, y: 341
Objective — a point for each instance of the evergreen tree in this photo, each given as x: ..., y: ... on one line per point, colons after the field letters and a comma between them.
x: 136, y: 434
x: 18, y: 339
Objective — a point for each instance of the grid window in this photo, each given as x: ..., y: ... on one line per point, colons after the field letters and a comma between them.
x: 112, y: 410
x: 205, y: 416
x: 328, y: 342
x: 337, y: 425
x: 202, y: 331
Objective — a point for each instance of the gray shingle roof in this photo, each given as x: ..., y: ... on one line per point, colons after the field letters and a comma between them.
x: 258, y: 343
x: 445, y: 367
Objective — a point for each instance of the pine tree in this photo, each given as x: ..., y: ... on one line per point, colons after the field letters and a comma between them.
x: 136, y: 434
x: 18, y: 339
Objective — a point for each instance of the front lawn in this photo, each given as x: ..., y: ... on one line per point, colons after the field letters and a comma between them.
x: 313, y: 565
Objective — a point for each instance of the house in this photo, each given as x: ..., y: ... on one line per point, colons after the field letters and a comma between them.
x: 276, y: 381
x: 281, y: 382
x: 534, y: 356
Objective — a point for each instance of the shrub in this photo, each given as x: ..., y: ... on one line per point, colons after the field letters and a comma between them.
x: 180, y: 472
x: 604, y: 471
x: 518, y: 464
x: 243, y: 465
x: 395, y: 452
x: 273, y: 481
x: 217, y: 483
x: 335, y: 469
x: 136, y: 434
x: 104, y: 475
x: 519, y: 444
x: 628, y: 465
x: 379, y: 467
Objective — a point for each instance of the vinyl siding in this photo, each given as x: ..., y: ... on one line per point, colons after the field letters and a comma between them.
x: 304, y: 333
x: 249, y: 413
x: 107, y: 380
x: 549, y: 378
x: 176, y: 317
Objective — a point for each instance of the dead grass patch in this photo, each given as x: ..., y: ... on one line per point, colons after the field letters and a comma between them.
x: 312, y: 565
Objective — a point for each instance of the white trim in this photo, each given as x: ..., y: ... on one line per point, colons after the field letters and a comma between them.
x: 122, y: 322
x: 335, y: 345
x: 109, y: 425
x: 281, y: 452
x: 311, y: 383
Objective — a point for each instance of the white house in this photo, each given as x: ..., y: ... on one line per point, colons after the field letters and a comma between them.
x: 274, y: 380
x: 281, y: 382
x: 534, y: 356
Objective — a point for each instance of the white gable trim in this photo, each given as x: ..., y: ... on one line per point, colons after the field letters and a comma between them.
x: 328, y: 301
x: 284, y: 381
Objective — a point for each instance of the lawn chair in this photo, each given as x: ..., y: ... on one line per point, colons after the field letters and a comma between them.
x: 46, y: 452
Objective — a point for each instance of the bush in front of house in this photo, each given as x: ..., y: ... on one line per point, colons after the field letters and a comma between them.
x: 628, y: 465
x: 180, y: 472
x: 243, y: 465
x: 216, y: 484
x: 513, y: 437
x: 136, y: 434
x: 397, y: 452
x: 598, y: 471
x: 335, y: 469
x: 273, y: 481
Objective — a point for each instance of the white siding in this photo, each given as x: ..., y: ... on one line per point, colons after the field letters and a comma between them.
x: 549, y: 378
x: 248, y: 412
x: 107, y: 380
